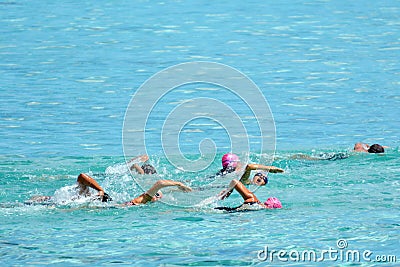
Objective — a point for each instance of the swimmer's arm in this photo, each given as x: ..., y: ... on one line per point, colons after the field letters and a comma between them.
x: 306, y: 157
x: 165, y: 183
x: 252, y: 167
x: 141, y: 158
x: 142, y: 199
x: 246, y: 194
x: 246, y: 175
x: 135, y: 160
x: 147, y: 196
x: 273, y: 169
x: 137, y: 168
x: 86, y: 180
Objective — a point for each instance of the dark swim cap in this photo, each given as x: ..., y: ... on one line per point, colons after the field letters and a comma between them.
x: 375, y: 148
x: 106, y: 198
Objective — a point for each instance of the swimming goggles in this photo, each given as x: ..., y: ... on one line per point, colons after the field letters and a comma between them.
x: 262, y: 176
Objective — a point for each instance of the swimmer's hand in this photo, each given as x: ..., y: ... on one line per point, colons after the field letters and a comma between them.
x: 274, y: 169
x: 183, y: 187
x: 37, y: 199
x: 224, y: 194
x: 104, y: 197
x: 144, y: 158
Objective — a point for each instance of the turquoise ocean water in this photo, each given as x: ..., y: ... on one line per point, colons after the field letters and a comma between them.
x: 330, y: 73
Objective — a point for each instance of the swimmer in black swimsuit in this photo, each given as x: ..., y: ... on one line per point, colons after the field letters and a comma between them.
x: 250, y: 199
x: 358, y: 147
x: 85, y: 182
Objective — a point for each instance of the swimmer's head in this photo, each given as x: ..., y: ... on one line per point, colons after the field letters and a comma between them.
x: 260, y: 179
x: 273, y: 203
x: 375, y: 148
x: 148, y: 169
x: 157, y: 196
x: 230, y: 160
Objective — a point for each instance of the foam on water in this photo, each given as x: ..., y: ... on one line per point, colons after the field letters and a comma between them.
x: 354, y: 198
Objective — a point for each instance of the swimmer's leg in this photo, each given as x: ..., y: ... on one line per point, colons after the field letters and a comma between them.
x: 229, y: 209
x: 38, y: 200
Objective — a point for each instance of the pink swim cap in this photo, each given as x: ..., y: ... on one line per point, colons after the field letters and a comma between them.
x: 230, y: 160
x: 273, y: 203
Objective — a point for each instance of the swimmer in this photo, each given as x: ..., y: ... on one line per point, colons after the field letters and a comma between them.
x: 375, y: 148
x: 261, y: 177
x: 358, y: 147
x: 85, y: 181
x: 145, y: 168
x: 251, y: 202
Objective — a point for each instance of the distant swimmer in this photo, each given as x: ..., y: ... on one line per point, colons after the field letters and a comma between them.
x: 251, y: 202
x: 375, y: 148
x: 358, y: 147
x: 144, y: 168
x: 85, y: 182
